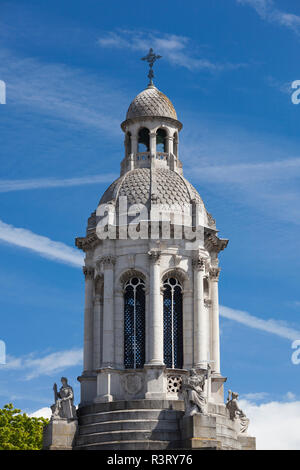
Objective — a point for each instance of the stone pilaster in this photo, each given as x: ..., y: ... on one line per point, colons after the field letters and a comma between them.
x: 214, y: 278
x: 108, y: 350
x: 201, y: 323
x: 88, y: 318
x: 97, y: 331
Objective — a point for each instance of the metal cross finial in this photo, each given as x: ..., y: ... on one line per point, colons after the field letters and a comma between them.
x: 151, y: 58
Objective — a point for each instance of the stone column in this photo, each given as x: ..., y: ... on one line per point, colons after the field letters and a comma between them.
x: 214, y: 278
x: 152, y: 137
x: 134, y: 146
x: 169, y: 144
x: 156, y: 328
x: 201, y: 324
x: 108, y: 350
x: 88, y: 319
x: 97, y: 331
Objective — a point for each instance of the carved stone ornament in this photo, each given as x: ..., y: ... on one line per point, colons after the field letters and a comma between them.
x: 214, y: 273
x: 107, y: 261
x: 199, y: 263
x: 235, y: 413
x: 88, y: 272
x: 154, y: 256
x: 132, y: 383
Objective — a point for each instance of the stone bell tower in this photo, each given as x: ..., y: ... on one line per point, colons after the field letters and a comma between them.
x: 151, y: 298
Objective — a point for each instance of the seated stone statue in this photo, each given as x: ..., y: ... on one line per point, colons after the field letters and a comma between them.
x: 235, y: 412
x: 64, y: 402
x: 194, y: 396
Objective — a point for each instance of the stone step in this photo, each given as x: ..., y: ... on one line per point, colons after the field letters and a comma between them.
x: 129, y: 445
x: 129, y: 435
x: 129, y: 414
x: 176, y: 405
x: 132, y: 424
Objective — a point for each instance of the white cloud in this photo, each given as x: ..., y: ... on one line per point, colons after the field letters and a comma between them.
x: 43, y: 245
x: 44, y: 183
x: 48, y: 365
x: 290, y: 396
x: 270, y: 326
x: 266, y: 10
x: 174, y: 48
x: 275, y: 425
x: 41, y: 413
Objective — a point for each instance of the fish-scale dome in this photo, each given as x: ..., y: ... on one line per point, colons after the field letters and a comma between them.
x: 151, y: 102
x: 168, y: 188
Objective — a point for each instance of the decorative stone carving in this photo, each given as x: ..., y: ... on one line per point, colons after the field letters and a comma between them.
x: 198, y: 263
x: 107, y: 261
x: 63, y: 407
x: 214, y: 274
x: 235, y: 412
x: 174, y: 383
x: 88, y: 272
x: 154, y: 256
x: 193, y: 391
x: 132, y: 383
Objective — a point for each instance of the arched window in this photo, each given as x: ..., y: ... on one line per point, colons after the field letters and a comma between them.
x: 161, y: 140
x: 143, y: 140
x: 128, y: 143
x: 175, y: 144
x: 173, y: 331
x: 134, y: 323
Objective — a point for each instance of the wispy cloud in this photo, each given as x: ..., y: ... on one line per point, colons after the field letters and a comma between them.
x: 47, y: 365
x: 175, y: 49
x: 267, y: 10
x: 44, y: 183
x: 275, y: 327
x: 44, y: 246
x: 63, y: 92
x: 255, y: 396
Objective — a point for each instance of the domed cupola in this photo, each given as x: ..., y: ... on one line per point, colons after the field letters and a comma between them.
x: 151, y: 131
x: 151, y: 102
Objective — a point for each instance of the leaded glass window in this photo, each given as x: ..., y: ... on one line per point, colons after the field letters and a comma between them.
x: 134, y: 323
x: 173, y: 331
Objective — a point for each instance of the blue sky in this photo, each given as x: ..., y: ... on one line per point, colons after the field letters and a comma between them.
x: 71, y: 70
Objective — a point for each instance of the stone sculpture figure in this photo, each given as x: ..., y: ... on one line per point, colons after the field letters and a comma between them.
x: 235, y: 411
x: 64, y: 402
x: 194, y: 397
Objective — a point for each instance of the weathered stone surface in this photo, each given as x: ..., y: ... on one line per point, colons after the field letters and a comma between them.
x: 60, y: 435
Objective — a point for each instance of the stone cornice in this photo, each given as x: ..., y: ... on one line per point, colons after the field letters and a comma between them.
x: 213, y: 243
x: 87, y: 243
x: 172, y: 121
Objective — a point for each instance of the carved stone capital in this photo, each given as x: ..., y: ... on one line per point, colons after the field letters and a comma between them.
x: 154, y: 256
x: 107, y: 261
x: 207, y: 303
x: 198, y: 263
x: 88, y: 272
x: 214, y: 274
